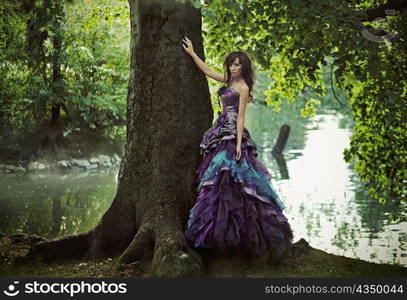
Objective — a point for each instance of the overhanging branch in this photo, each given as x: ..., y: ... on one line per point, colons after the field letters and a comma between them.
x: 380, y: 11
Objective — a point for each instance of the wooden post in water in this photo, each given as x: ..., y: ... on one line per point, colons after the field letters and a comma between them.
x: 281, y: 140
x: 278, y: 150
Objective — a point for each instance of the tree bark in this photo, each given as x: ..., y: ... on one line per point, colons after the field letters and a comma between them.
x: 168, y: 110
x: 53, y: 138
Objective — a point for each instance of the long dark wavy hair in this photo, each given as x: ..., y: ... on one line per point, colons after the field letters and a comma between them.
x: 247, y: 71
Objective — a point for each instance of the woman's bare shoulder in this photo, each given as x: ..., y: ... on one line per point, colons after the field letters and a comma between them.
x: 242, y: 88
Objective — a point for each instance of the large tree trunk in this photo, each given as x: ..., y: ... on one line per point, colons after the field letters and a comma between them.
x: 168, y: 109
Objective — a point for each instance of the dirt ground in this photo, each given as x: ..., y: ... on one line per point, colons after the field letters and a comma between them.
x: 303, y: 261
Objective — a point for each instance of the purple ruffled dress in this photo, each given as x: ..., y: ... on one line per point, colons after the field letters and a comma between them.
x: 237, y: 206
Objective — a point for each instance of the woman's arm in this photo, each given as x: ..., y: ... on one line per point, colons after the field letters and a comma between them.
x: 200, y: 63
x: 243, y: 100
x: 208, y: 71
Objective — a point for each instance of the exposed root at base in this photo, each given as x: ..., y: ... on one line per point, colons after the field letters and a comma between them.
x: 69, y: 246
x: 138, y: 249
x: 165, y: 254
x: 174, y: 258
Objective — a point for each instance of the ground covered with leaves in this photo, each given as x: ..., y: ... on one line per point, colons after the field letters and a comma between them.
x: 303, y: 261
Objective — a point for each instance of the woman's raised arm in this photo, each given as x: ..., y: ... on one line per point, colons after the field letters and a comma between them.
x: 200, y: 63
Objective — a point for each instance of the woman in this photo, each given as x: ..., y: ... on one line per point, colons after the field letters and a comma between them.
x: 237, y: 207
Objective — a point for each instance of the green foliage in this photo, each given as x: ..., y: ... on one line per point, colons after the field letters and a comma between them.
x: 74, y: 53
x: 14, y: 76
x: 310, y: 108
x: 97, y: 63
x: 298, y: 42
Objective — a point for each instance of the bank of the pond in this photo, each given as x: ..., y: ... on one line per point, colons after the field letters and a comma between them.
x: 93, y: 163
x: 303, y: 261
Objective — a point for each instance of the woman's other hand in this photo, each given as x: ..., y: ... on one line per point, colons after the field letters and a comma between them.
x: 188, y: 48
x: 238, y: 152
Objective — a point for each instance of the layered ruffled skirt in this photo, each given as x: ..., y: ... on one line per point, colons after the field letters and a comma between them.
x: 237, y: 206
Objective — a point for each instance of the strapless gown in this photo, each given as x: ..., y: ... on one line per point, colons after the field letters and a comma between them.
x: 237, y: 206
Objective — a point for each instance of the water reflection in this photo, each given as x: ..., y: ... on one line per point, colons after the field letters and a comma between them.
x: 54, y: 204
x: 282, y: 166
x: 324, y: 199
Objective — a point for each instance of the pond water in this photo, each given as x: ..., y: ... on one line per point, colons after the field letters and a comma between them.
x: 325, y: 201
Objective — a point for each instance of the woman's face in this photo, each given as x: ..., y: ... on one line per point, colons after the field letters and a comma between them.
x: 235, y: 68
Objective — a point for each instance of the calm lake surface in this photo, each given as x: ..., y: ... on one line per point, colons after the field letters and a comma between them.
x: 325, y: 201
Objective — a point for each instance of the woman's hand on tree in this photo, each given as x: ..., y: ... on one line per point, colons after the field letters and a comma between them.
x: 188, y: 48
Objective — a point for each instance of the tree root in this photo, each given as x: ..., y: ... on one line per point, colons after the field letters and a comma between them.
x: 163, y: 254
x: 139, y: 248
x: 166, y: 252
x: 69, y: 246
x: 174, y: 258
